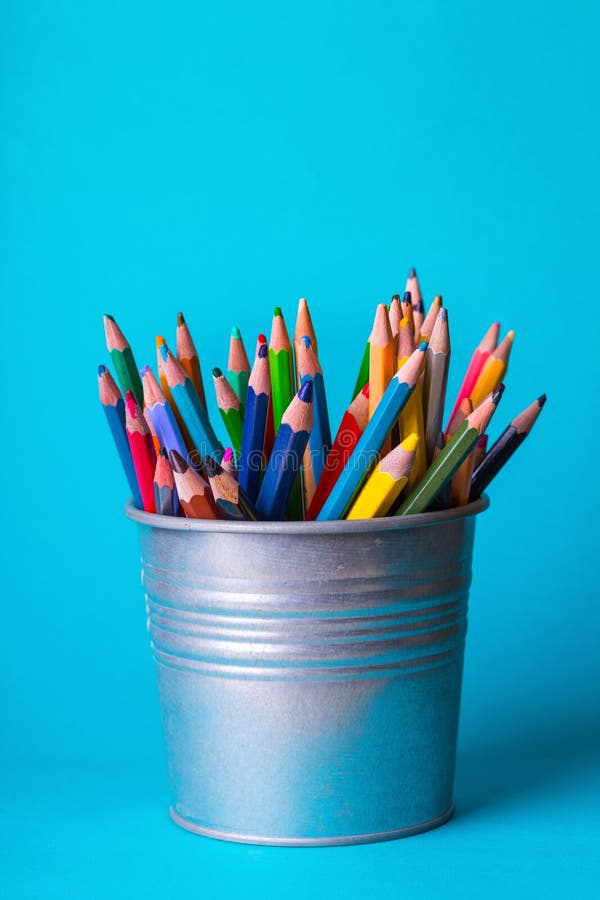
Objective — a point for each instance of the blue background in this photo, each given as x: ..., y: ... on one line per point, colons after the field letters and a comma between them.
x: 221, y: 159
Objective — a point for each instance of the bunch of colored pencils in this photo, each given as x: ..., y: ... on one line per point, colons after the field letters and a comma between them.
x: 391, y: 455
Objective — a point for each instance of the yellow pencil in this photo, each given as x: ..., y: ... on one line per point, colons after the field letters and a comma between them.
x: 493, y: 371
x: 386, y: 482
x: 382, y: 364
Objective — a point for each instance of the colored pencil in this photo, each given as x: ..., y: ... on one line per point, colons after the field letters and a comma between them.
x: 231, y: 409
x: 395, y: 315
x: 481, y: 353
x: 413, y: 422
x: 407, y: 311
x: 281, y: 367
x: 354, y: 422
x: 195, y: 495
x: 142, y: 450
x: 429, y: 320
x: 122, y: 359
x: 499, y: 453
x: 193, y: 413
x: 228, y: 462
x: 449, y: 459
x: 367, y: 450
x: 304, y: 328
x: 386, y: 481
x: 437, y: 361
x: 284, y: 463
x: 114, y: 409
x: 252, y: 454
x: 187, y: 356
x: 320, y: 436
x: 155, y: 438
x: 238, y: 367
x: 164, y: 384
x: 418, y: 308
x: 493, y: 371
x: 230, y: 497
x: 381, y: 361
x: 161, y: 415
x: 363, y: 373
x: 270, y: 432
x: 165, y: 494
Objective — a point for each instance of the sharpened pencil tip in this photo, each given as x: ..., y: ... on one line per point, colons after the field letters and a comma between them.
x: 410, y: 443
x: 101, y: 370
x: 262, y: 339
x: 163, y: 452
x: 180, y: 319
x: 110, y: 318
x: 178, y: 462
x: 497, y: 394
x: 423, y: 346
x: 542, y: 400
x: 443, y: 314
x: 407, y: 297
x: 306, y: 341
x: 216, y: 372
x: 212, y: 467
x: 235, y: 333
x: 277, y: 311
x: 163, y: 350
x: 227, y: 454
x: 306, y: 391
x: 412, y: 272
x: 144, y: 371
x: 263, y: 350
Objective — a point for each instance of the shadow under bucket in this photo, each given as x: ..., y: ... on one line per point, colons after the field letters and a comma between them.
x: 309, y: 673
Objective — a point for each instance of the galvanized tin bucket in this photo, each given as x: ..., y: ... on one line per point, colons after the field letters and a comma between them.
x: 309, y: 673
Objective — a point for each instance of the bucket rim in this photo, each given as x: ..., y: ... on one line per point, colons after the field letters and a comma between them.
x: 306, y: 529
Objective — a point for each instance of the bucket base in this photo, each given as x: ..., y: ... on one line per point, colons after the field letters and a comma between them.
x: 190, y: 825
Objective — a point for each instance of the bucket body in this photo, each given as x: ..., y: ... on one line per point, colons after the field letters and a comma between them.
x: 309, y: 673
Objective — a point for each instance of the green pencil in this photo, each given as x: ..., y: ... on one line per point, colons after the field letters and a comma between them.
x: 281, y: 367
x: 123, y: 361
x: 238, y: 366
x: 363, y: 372
x: 231, y: 409
x: 447, y: 462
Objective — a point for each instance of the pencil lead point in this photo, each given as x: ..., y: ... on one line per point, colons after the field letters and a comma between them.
x: 178, y: 462
x: 497, y: 394
x: 263, y: 350
x: 180, y: 319
x: 212, y: 467
x: 423, y: 346
x: 262, y: 339
x: 306, y: 341
x: 163, y: 452
x: 235, y: 333
x: 101, y: 370
x: 227, y: 454
x: 110, y: 318
x: 542, y: 400
x: 306, y: 391
x: 407, y: 297
x: 144, y: 371
x: 164, y: 351
x: 412, y: 272
x: 216, y: 372
x: 277, y: 311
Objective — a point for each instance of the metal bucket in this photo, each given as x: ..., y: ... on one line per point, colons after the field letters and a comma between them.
x: 309, y: 673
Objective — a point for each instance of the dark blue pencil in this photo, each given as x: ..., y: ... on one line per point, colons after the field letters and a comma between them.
x: 165, y: 493
x: 252, y: 459
x: 290, y: 443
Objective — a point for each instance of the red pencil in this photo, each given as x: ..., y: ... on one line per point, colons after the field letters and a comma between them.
x: 483, y: 350
x: 348, y: 435
x: 142, y: 450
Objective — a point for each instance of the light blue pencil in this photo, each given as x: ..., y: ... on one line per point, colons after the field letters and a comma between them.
x: 114, y: 408
x: 161, y: 415
x: 366, y: 452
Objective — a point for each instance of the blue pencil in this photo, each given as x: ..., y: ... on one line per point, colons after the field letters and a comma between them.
x: 291, y: 441
x: 366, y: 452
x: 319, y: 441
x: 161, y: 415
x: 186, y: 399
x: 251, y: 462
x: 114, y: 408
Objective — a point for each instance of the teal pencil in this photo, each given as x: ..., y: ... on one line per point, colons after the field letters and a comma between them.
x: 366, y: 452
x: 238, y: 365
